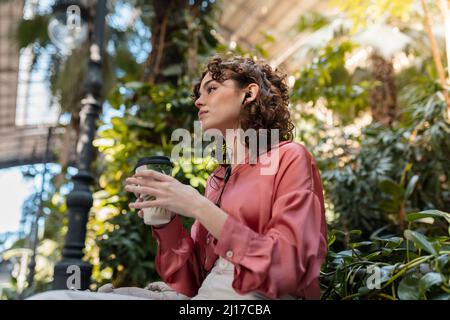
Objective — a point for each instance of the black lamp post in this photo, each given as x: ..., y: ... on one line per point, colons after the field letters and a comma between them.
x: 72, y: 271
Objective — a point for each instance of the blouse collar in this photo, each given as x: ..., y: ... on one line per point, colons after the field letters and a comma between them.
x: 219, y: 172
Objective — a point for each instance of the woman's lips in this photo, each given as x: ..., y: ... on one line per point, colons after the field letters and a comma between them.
x: 202, y: 113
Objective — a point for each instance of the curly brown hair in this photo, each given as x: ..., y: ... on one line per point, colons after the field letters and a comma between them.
x: 270, y: 108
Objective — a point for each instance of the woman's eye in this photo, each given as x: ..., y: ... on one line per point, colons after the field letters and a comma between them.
x: 209, y: 89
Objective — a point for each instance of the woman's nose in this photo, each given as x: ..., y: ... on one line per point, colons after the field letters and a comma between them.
x: 199, y: 103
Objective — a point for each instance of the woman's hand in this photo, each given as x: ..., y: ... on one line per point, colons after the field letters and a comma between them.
x: 168, y: 191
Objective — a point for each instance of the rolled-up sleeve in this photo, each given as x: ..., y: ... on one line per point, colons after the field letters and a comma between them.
x: 286, y: 257
x: 177, y: 260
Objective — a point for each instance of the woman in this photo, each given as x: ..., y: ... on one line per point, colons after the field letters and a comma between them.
x: 255, y: 236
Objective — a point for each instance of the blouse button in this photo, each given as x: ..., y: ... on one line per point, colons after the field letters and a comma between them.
x: 229, y: 254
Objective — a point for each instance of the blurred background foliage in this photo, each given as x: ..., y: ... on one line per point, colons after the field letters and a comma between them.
x: 373, y: 114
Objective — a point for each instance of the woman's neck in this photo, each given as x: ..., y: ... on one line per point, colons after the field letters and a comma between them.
x: 236, y: 148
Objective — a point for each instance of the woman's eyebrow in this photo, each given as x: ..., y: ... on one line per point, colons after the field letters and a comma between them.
x: 206, y: 83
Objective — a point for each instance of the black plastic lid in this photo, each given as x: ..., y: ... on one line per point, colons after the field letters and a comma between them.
x: 153, y: 160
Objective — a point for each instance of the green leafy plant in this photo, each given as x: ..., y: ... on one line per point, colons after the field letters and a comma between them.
x: 412, y: 266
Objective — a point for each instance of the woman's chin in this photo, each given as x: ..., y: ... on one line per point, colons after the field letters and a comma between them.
x: 210, y: 128
x: 205, y: 125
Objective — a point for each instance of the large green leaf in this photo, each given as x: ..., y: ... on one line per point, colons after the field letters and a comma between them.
x: 393, y: 242
x: 408, y: 288
x: 411, y: 186
x: 429, y: 280
x: 443, y: 260
x: 427, y: 214
x: 420, y: 240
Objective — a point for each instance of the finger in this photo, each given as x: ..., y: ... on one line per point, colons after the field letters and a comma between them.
x: 130, y: 180
x: 143, y: 190
x: 146, y: 204
x: 127, y: 180
x: 144, y: 182
x: 154, y: 174
x: 125, y: 183
x: 159, y: 286
x: 141, y: 214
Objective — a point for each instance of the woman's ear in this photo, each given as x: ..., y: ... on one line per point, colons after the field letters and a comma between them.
x: 251, y: 93
x: 247, y: 95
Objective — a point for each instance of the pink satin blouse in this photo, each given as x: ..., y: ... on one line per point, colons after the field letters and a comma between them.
x: 275, y: 233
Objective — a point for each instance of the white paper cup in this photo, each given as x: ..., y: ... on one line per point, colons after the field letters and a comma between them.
x: 155, y: 216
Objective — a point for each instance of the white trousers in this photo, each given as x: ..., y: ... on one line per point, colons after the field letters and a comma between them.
x: 216, y: 286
